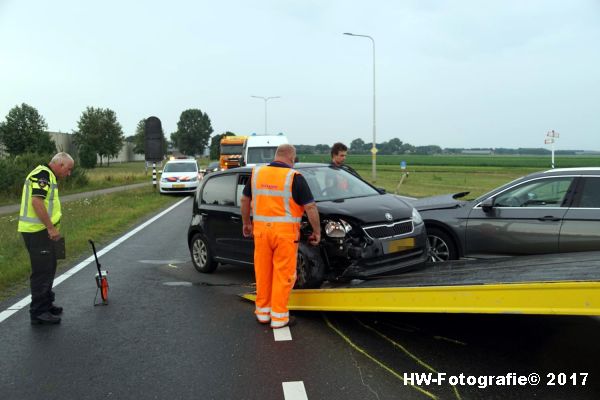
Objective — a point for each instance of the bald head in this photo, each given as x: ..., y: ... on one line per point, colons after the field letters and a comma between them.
x: 285, y: 153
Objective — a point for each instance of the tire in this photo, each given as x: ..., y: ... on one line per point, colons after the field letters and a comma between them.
x: 441, y: 246
x: 310, y: 268
x: 202, y: 254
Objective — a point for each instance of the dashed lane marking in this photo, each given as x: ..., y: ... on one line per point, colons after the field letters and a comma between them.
x: 25, y: 301
x: 282, y: 334
x: 189, y: 284
x: 294, y: 391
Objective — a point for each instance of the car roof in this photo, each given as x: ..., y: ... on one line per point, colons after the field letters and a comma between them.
x: 568, y: 171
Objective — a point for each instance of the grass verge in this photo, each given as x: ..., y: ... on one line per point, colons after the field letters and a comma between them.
x: 423, y: 181
x: 100, y: 218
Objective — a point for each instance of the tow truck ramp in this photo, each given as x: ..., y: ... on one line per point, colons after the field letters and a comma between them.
x: 559, y: 284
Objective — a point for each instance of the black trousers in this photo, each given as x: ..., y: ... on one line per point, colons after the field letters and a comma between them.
x: 43, y: 268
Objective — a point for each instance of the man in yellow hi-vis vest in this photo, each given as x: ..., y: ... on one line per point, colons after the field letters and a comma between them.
x: 39, y: 223
x: 278, y: 196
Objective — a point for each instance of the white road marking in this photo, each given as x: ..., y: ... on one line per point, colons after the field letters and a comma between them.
x: 177, y: 283
x: 158, y: 262
x: 57, y: 281
x: 282, y: 334
x: 294, y: 391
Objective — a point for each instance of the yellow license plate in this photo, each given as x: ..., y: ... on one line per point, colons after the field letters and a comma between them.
x: 401, y: 245
x: 178, y: 185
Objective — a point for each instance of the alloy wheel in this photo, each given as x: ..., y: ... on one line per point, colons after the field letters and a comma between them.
x: 200, y: 253
x: 438, y: 249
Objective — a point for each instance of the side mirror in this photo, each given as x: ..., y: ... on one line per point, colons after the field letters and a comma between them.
x: 488, y: 204
x: 381, y: 190
x: 160, y: 171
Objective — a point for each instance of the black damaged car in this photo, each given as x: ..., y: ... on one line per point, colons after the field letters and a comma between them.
x: 365, y: 231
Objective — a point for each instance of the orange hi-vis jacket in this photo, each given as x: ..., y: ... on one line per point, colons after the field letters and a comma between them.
x: 276, y: 222
x: 272, y: 200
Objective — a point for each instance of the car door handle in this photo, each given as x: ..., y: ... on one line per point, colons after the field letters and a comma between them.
x: 204, y: 214
x: 549, y: 218
x: 234, y: 218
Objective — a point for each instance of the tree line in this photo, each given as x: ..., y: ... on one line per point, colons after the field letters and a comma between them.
x: 99, y: 134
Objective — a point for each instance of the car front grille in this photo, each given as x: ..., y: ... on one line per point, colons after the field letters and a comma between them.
x: 388, y: 231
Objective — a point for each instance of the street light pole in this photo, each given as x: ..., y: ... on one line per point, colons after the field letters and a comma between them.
x: 374, y: 148
x: 266, y: 99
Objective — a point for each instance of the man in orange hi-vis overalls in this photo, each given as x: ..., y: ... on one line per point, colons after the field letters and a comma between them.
x: 278, y: 196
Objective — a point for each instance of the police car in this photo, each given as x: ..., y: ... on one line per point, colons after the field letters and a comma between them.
x: 179, y: 175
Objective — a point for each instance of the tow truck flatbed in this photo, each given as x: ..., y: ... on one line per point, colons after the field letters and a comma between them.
x: 567, y: 284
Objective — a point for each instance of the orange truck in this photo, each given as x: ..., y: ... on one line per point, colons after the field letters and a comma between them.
x: 232, y: 148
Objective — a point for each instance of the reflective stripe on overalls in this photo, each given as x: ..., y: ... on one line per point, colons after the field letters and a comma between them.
x: 276, y: 222
x: 28, y: 219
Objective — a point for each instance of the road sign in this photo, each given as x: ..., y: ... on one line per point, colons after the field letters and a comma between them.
x: 153, y: 145
x: 402, y: 164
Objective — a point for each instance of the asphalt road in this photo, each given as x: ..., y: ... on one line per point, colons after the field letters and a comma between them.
x: 169, y: 332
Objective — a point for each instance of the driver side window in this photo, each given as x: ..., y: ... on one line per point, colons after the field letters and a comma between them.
x: 550, y: 192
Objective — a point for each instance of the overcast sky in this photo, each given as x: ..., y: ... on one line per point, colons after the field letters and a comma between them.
x: 451, y: 73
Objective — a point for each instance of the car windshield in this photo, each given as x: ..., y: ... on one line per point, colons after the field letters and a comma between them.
x: 181, y: 167
x: 231, y: 149
x: 259, y: 155
x: 330, y: 184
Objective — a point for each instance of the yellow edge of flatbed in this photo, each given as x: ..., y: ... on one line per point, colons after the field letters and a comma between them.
x: 556, y: 298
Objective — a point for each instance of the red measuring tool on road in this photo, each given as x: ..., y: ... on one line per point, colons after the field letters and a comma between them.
x: 101, y: 280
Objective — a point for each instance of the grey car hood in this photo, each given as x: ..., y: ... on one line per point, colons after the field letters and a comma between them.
x: 439, y: 202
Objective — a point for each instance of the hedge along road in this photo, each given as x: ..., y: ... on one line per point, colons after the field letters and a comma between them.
x: 70, y: 197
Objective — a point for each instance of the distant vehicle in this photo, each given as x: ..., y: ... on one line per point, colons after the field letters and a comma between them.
x: 231, y: 150
x: 364, y: 230
x: 555, y: 211
x: 213, y: 167
x: 180, y: 175
x: 260, y: 149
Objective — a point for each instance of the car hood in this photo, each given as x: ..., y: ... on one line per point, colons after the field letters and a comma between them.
x: 367, y: 210
x: 439, y: 202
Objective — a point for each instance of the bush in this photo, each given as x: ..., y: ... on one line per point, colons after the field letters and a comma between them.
x: 87, y: 156
x: 15, y: 169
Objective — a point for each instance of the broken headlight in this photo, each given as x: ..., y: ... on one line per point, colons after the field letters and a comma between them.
x: 337, y: 229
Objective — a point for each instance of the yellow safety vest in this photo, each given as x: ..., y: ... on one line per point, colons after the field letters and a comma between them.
x: 28, y: 219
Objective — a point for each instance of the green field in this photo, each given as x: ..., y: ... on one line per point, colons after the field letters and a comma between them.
x: 539, y: 162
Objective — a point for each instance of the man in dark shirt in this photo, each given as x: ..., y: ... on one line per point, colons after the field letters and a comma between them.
x: 39, y: 224
x: 338, y: 158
